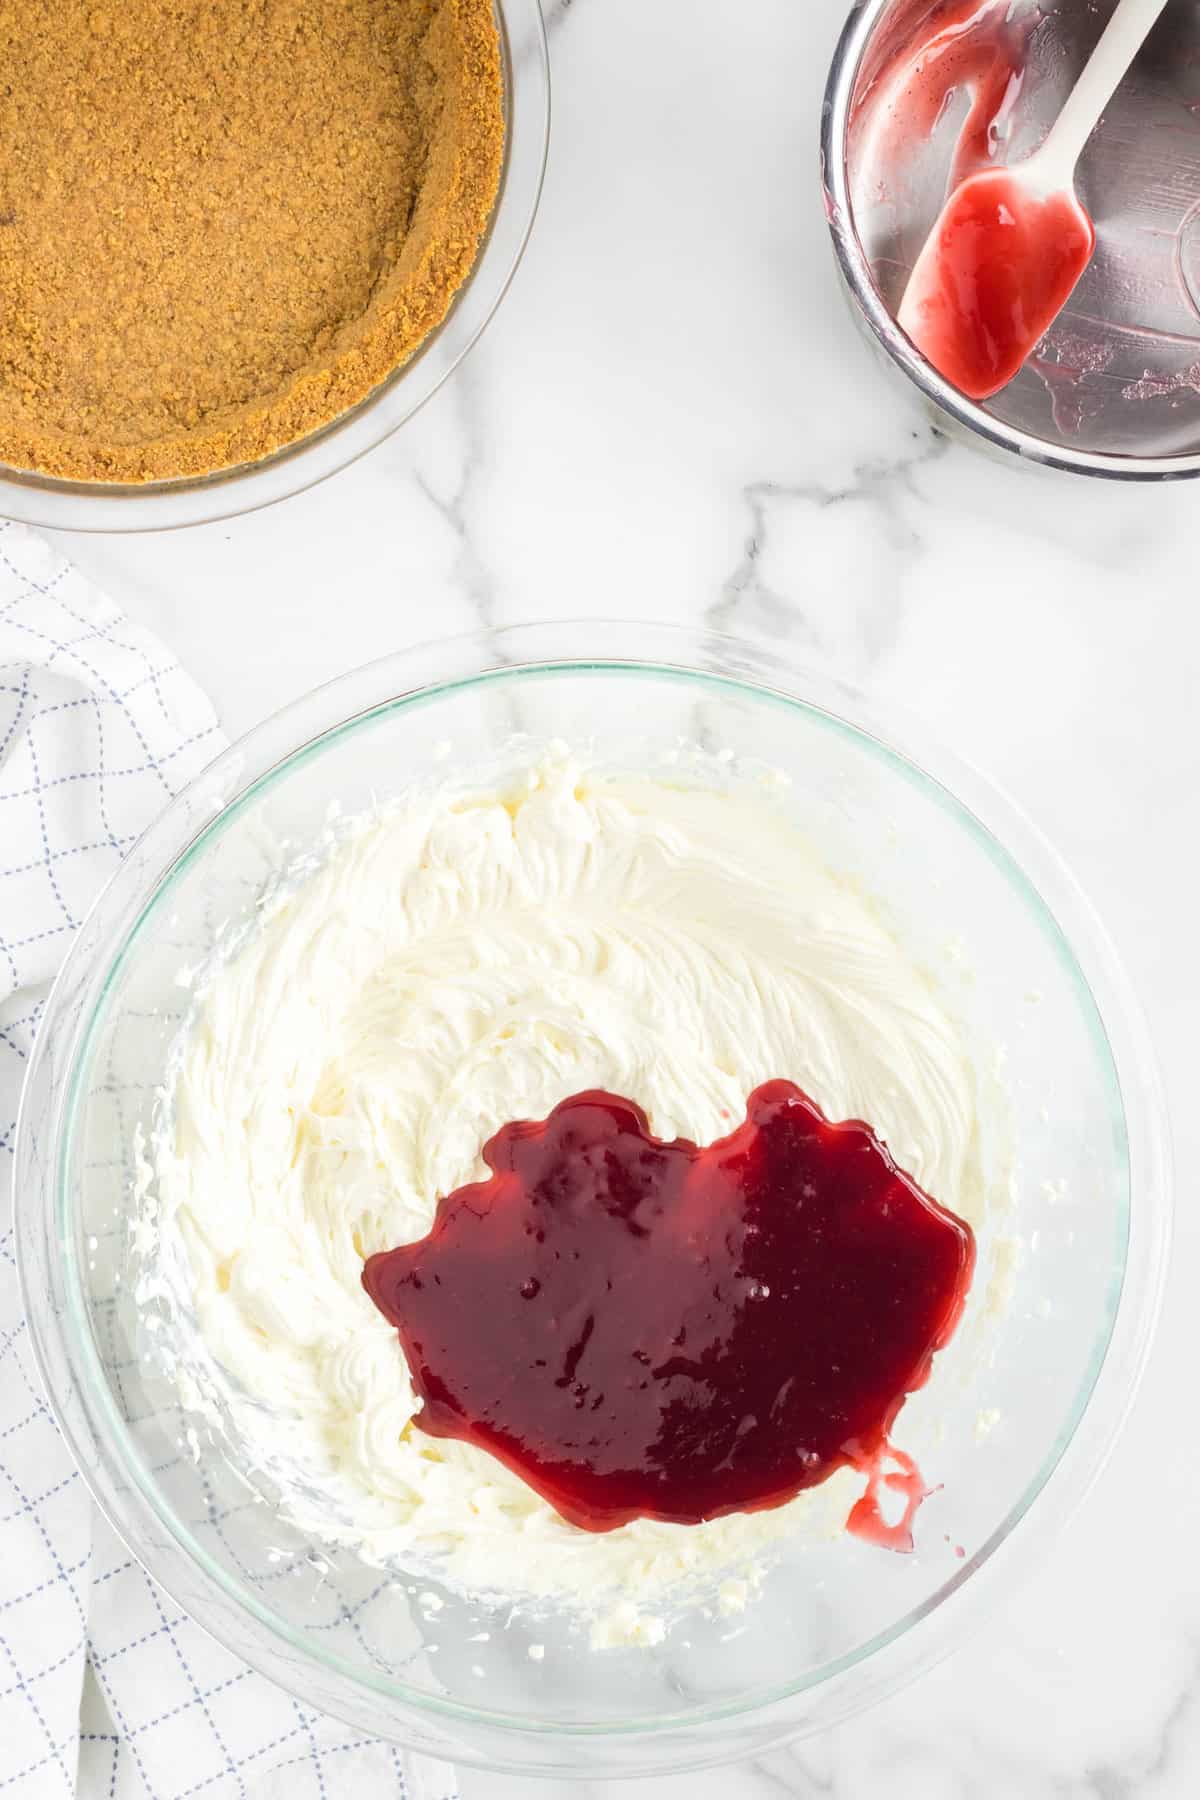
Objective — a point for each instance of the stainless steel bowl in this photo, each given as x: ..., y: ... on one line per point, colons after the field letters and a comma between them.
x: 1114, y: 388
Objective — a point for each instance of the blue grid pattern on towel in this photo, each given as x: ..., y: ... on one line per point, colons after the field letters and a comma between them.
x: 106, y: 1687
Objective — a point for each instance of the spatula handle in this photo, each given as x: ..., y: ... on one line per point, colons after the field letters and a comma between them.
x: 1123, y: 37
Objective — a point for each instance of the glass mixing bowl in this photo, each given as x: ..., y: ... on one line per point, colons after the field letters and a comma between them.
x: 163, y: 505
x: 1074, y: 1127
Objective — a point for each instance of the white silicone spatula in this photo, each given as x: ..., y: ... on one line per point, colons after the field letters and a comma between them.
x: 1010, y: 245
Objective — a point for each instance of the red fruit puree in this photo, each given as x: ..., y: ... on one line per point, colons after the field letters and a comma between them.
x: 1003, y: 267
x: 648, y: 1329
x: 928, y: 53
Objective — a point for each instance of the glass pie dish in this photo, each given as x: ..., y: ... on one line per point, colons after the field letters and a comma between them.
x: 163, y: 505
x: 1075, y: 1129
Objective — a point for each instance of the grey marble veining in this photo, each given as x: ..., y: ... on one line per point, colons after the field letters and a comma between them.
x: 672, y: 416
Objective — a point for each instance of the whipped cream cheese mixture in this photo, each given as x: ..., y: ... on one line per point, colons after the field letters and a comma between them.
x: 461, y: 960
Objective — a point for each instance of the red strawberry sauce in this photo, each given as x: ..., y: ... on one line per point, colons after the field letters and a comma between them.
x: 648, y: 1329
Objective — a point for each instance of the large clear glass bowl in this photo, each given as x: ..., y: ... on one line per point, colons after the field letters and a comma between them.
x: 1022, y: 1409
x: 163, y: 505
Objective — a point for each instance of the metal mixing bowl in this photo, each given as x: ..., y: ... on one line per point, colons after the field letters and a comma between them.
x: 1114, y: 388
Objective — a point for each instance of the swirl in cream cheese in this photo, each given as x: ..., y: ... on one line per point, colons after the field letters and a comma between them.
x: 468, y: 959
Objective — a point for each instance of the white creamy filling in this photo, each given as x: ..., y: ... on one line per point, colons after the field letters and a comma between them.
x: 462, y: 962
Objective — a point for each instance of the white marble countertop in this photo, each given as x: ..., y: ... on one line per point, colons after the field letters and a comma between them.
x: 673, y: 415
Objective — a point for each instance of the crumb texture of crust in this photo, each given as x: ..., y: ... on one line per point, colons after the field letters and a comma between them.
x: 223, y: 223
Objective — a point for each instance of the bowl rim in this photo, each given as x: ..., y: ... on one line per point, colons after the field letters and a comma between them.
x: 116, y: 507
x: 94, y: 1429
x: 855, y: 271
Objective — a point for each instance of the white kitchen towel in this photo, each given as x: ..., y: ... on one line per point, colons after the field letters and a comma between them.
x: 106, y: 1688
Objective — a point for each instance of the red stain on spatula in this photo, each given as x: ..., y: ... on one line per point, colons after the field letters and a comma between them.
x: 1011, y: 244
x: 998, y: 268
